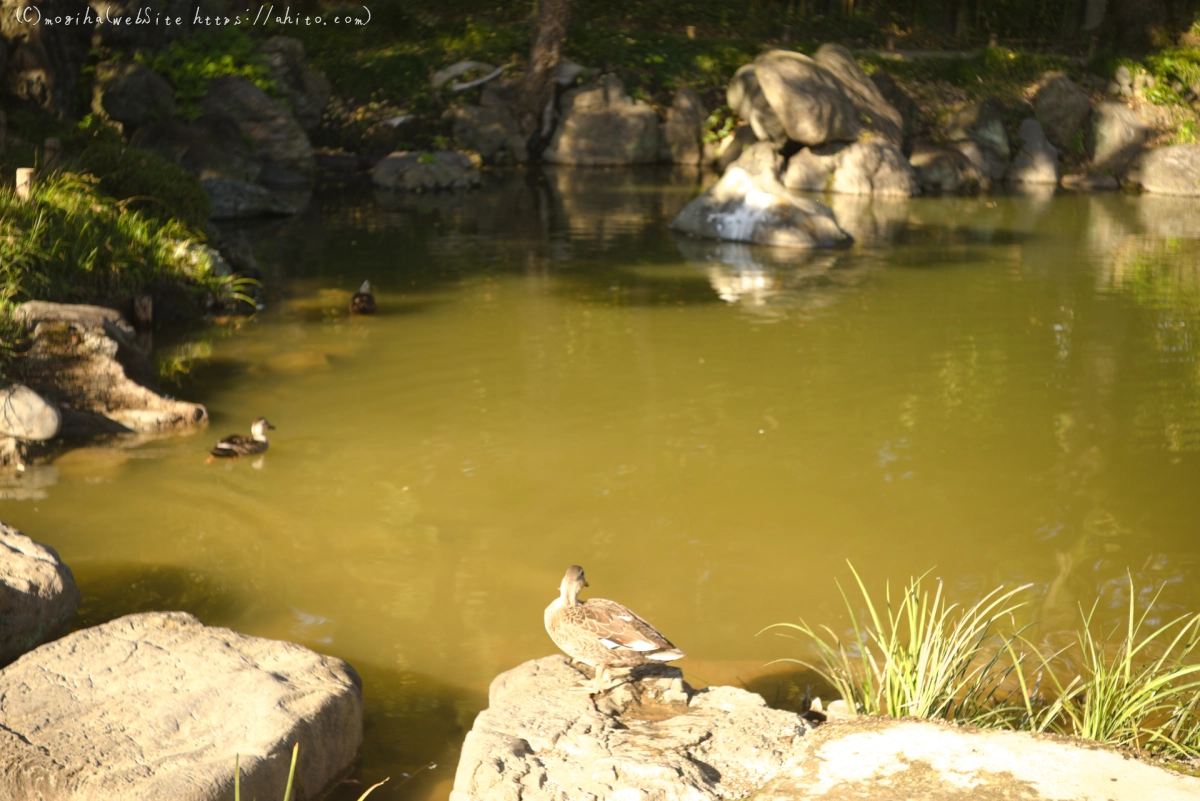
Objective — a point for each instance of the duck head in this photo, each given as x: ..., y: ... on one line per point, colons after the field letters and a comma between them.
x: 365, y: 289
x: 259, y: 428
x: 572, y: 583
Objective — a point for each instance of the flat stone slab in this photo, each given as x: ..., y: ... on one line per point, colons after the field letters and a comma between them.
x: 38, y: 595
x: 898, y: 760
x: 157, y: 705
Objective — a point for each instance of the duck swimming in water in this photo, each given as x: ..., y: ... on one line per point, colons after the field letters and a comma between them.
x: 237, y: 445
x: 601, y: 633
x: 363, y: 301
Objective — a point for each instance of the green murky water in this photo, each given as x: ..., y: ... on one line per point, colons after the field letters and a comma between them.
x: 1005, y: 390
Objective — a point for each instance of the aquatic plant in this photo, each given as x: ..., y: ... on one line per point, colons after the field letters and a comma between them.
x: 287, y: 792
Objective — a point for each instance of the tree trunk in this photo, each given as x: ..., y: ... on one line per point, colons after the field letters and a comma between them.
x: 537, y: 87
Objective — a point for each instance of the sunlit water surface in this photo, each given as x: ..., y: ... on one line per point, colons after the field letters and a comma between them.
x: 999, y: 390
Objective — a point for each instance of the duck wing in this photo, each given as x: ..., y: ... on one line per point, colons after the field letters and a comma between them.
x: 231, y: 445
x: 618, y: 628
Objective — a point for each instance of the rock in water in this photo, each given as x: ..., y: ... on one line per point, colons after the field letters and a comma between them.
x: 26, y: 415
x: 871, y: 167
x: 808, y: 98
x: 749, y: 204
x: 420, y: 172
x: 682, y: 131
x: 655, y: 737
x: 238, y: 200
x: 1173, y: 170
x: 38, y: 595
x: 1118, y: 136
x: 276, y: 136
x: 977, y: 131
x: 1037, y: 161
x: 157, y: 705
x: 1062, y: 108
x: 603, y: 125
x: 944, y: 170
x: 874, y: 111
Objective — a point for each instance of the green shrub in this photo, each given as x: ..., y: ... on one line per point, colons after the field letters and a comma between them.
x: 189, y: 64
x: 147, y: 183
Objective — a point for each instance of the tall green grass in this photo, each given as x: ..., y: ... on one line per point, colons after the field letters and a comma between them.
x: 918, y: 655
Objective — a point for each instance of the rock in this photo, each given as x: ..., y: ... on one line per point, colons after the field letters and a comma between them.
x: 44, y: 60
x: 943, y: 170
x: 1091, y: 183
x: 910, y: 112
x: 84, y: 360
x: 1118, y: 135
x: 1173, y: 170
x: 24, y: 414
x: 654, y: 738
x: 1037, y: 161
x: 156, y: 705
x: 874, y: 111
x: 871, y: 167
x: 749, y: 204
x: 732, y: 146
x: 808, y: 99
x: 746, y: 100
x: 131, y: 94
x: 492, y: 132
x: 212, y: 146
x: 682, y: 131
x: 457, y: 70
x: 1124, y: 79
x: 977, y: 131
x: 601, y: 124
x: 307, y: 90
x: 1062, y: 108
x: 239, y: 200
x: 38, y: 595
x: 890, y: 760
x: 274, y: 134
x: 418, y: 172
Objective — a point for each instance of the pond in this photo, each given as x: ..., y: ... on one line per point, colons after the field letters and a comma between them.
x: 998, y: 390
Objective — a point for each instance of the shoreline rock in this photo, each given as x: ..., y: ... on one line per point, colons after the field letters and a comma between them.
x: 38, y: 595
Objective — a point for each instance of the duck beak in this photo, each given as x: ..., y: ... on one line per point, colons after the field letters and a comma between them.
x: 270, y: 426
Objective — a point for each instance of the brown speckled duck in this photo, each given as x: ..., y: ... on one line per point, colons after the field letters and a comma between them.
x: 603, y: 634
x: 236, y: 445
x: 363, y: 301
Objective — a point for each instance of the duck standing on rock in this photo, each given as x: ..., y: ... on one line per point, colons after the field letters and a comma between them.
x: 603, y: 634
x: 363, y: 301
x: 236, y: 445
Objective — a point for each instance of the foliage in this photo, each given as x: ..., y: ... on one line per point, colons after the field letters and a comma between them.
x: 1176, y: 71
x: 189, y: 64
x: 148, y: 183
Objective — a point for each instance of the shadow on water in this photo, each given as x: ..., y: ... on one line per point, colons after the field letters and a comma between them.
x: 125, y: 588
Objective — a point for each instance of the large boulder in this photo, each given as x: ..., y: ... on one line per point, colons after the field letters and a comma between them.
x: 749, y: 204
x: 157, y: 705
x: 730, y: 149
x: 808, y: 99
x: 945, y: 170
x: 683, y: 129
x: 38, y: 595
x: 1118, y: 136
x: 421, y: 172
x: 654, y: 738
x: 272, y: 131
x: 84, y: 359
x: 131, y: 94
x: 1037, y: 161
x: 871, y: 167
x: 1173, y: 170
x: 212, y: 146
x: 26, y: 415
x: 307, y: 90
x: 239, y: 200
x: 602, y: 125
x: 1062, y: 108
x: 977, y: 131
x: 745, y: 98
x: 491, y: 131
x: 874, y: 111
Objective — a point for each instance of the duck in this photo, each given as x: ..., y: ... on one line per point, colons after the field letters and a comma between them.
x: 363, y: 301
x: 236, y: 445
x: 603, y: 634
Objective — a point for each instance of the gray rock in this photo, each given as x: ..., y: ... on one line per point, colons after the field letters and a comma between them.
x: 1037, y: 160
x: 1173, y: 170
x: 157, y: 705
x: 654, y: 738
x: 24, y: 414
x: 602, y: 125
x: 808, y: 99
x: 749, y: 204
x: 492, y: 131
x: 84, y: 360
x: 746, y: 100
x: 239, y: 200
x: 944, y: 170
x: 683, y: 128
x: 307, y: 90
x: 730, y: 149
x: 211, y: 146
x: 131, y: 94
x: 274, y: 134
x: 1062, y: 108
x: 420, y: 172
x: 38, y: 595
x: 977, y: 131
x: 874, y: 111
x: 1118, y: 135
x: 871, y: 167
x: 1124, y: 79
